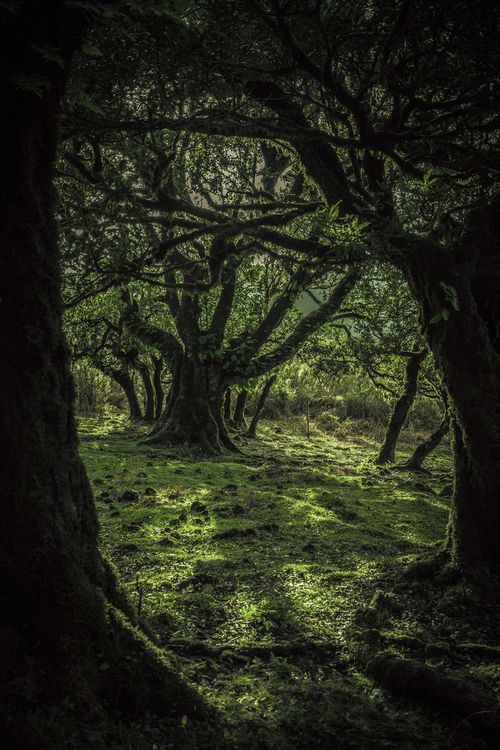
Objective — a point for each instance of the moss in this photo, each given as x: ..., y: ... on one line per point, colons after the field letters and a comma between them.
x: 283, y: 545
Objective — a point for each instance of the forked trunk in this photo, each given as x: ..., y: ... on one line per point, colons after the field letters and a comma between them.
x: 193, y: 415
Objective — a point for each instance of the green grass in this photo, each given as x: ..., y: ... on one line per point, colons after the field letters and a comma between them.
x: 284, y: 545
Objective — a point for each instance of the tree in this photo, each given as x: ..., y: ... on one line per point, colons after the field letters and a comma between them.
x: 215, y: 322
x: 369, y: 101
x: 96, y: 335
x: 67, y: 633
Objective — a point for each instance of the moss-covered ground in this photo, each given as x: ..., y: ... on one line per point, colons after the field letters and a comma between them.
x: 266, y: 573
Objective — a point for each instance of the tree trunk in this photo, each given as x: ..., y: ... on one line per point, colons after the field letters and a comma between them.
x: 427, y: 446
x: 401, y: 408
x: 193, y: 415
x: 158, y: 386
x: 252, y: 430
x: 125, y: 381
x: 149, y: 394
x: 227, y: 405
x: 466, y: 347
x: 238, y: 419
x: 63, y: 639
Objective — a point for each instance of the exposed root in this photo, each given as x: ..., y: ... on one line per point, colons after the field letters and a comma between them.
x: 438, y: 690
x: 325, y: 649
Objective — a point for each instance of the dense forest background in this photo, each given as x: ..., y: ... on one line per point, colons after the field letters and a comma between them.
x: 250, y: 276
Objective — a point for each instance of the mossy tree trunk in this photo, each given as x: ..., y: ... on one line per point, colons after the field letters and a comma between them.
x: 200, y: 374
x: 401, y: 408
x: 239, y: 419
x: 193, y: 414
x: 149, y: 394
x: 227, y: 406
x: 122, y: 377
x: 458, y: 296
x: 64, y: 637
x: 158, y: 385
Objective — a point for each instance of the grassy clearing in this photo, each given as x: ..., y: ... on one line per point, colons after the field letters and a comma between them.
x: 259, y: 571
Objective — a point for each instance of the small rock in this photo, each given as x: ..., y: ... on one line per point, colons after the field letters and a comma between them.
x: 130, y: 547
x: 129, y: 496
x: 134, y: 526
x: 197, y: 506
x: 271, y: 527
x: 166, y: 541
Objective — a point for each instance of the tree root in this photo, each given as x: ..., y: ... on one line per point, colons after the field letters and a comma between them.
x: 438, y: 690
x: 324, y: 649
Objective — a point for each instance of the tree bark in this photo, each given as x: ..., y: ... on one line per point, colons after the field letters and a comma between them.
x: 466, y: 347
x: 227, y: 405
x: 149, y: 394
x: 252, y: 430
x: 127, y: 384
x: 401, y: 408
x: 427, y: 446
x: 239, y: 419
x: 64, y: 636
x: 158, y: 386
x: 193, y: 415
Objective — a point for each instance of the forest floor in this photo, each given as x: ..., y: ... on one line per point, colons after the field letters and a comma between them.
x: 273, y: 575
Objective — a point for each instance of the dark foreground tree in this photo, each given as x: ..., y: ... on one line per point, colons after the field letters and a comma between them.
x: 65, y: 634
